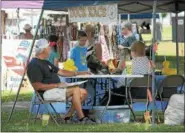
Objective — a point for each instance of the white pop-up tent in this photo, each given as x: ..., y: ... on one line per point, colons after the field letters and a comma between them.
x: 124, y: 7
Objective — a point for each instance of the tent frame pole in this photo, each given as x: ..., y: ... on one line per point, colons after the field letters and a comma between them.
x: 119, y: 19
x: 153, y: 59
x: 184, y: 39
x: 177, y: 40
x: 29, y: 56
x: 1, y: 37
x: 128, y: 18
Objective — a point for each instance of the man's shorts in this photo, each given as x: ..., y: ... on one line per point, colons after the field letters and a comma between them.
x: 56, y: 94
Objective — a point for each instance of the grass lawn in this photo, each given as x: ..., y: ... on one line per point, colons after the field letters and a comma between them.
x: 8, y: 96
x: 19, y: 123
x: 166, y: 34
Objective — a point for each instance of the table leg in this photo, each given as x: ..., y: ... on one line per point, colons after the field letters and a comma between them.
x: 126, y: 93
x: 94, y: 102
x: 109, y: 98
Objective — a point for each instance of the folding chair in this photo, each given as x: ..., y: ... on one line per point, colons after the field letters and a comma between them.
x: 137, y: 90
x: 39, y: 101
x: 168, y: 87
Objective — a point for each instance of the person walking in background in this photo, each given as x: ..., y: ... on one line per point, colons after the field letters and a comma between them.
x: 27, y: 34
x: 54, y: 55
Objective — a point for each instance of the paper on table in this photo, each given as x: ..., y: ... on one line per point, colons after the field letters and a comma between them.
x: 75, y: 83
x: 127, y: 47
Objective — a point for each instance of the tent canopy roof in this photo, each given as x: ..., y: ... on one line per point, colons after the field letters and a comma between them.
x: 139, y: 16
x: 146, y: 6
x: 124, y: 6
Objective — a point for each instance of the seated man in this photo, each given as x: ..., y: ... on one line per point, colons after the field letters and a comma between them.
x: 44, y: 78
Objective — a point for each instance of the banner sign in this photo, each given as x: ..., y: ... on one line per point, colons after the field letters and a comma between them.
x: 23, y: 50
x: 15, y: 55
x: 181, y: 22
x: 102, y: 13
x: 13, y: 80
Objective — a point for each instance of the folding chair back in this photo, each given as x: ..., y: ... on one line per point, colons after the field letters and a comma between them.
x: 138, y: 87
x: 169, y: 85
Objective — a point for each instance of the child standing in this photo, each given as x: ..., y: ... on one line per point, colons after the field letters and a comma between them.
x: 78, y: 53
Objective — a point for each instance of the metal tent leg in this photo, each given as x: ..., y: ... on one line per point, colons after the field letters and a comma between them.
x: 10, y: 116
x: 153, y: 59
x: 177, y: 43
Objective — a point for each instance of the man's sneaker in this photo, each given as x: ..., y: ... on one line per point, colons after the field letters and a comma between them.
x: 69, y: 120
x: 86, y: 120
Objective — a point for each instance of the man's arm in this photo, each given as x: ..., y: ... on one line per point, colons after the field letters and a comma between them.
x: 43, y: 87
x: 67, y: 73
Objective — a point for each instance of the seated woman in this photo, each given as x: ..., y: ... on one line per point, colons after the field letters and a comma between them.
x: 141, y: 65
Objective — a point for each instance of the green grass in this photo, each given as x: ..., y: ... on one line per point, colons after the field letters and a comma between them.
x: 167, y: 49
x: 166, y: 34
x: 172, y: 59
x: 19, y: 124
x: 7, y: 96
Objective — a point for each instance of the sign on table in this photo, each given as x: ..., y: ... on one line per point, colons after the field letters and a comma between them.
x: 102, y: 13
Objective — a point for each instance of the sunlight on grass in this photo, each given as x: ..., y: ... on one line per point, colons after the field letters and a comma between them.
x: 166, y: 34
x: 169, y: 49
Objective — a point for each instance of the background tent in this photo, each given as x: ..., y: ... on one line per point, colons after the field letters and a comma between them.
x: 139, y: 16
x: 124, y: 6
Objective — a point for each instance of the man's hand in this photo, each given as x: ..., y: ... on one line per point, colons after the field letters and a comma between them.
x: 120, y: 47
x: 84, y: 73
x: 62, y: 85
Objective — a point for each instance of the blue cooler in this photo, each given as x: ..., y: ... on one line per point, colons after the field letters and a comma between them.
x: 60, y: 107
x: 114, y: 114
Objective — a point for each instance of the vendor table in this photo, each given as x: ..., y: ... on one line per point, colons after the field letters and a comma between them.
x: 109, y: 78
